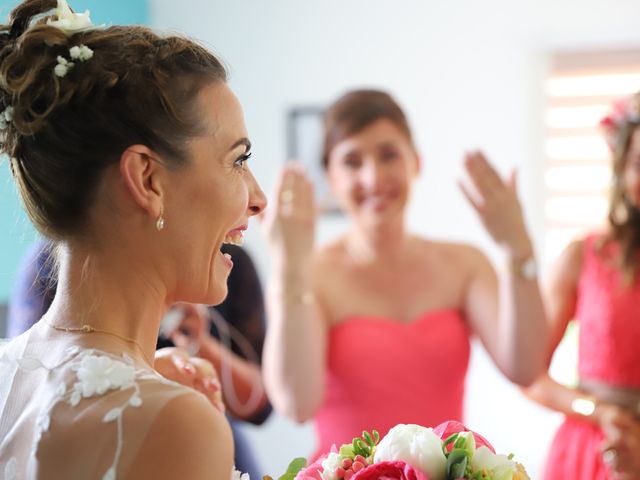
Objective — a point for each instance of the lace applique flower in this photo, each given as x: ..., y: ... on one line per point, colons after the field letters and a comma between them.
x: 68, y: 21
x: 98, y: 374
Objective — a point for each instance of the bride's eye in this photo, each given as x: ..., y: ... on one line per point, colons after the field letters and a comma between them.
x: 241, y: 160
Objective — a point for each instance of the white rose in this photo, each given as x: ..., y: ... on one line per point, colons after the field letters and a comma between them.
x: 418, y: 446
x: 499, y: 465
x: 330, y: 465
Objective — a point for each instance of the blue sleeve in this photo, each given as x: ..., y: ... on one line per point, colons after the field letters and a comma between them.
x: 33, y: 289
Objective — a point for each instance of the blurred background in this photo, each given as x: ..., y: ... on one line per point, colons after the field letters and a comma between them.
x: 526, y: 81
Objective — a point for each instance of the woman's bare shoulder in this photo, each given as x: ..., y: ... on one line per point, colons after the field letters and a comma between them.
x: 455, y: 252
x: 188, y: 439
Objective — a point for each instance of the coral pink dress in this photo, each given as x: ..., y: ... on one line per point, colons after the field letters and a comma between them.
x: 609, y: 316
x: 381, y: 372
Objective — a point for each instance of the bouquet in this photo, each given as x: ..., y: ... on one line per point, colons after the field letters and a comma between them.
x: 411, y: 452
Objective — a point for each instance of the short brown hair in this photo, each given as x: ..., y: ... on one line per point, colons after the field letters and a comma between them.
x: 356, y: 110
x: 138, y: 88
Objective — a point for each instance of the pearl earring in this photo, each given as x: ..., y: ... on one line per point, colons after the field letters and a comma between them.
x: 160, y: 221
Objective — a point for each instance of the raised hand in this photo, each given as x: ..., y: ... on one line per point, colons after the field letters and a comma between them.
x: 289, y: 222
x: 197, y: 373
x: 496, y: 203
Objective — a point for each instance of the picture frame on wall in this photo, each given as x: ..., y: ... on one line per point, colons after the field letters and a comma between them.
x: 304, y: 144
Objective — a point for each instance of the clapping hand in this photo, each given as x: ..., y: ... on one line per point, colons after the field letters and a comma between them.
x: 496, y: 203
x: 289, y: 222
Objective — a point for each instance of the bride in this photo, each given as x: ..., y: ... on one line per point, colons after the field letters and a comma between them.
x: 129, y: 151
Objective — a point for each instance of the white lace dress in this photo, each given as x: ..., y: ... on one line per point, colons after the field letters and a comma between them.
x: 70, y: 412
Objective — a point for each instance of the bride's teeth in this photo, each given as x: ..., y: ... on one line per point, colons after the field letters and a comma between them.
x: 236, y: 239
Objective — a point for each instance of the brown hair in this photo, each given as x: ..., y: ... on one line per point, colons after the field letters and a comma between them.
x: 624, y: 217
x: 356, y: 110
x: 138, y: 88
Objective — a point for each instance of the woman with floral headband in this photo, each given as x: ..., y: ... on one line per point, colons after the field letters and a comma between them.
x: 596, y: 281
x: 373, y: 329
x: 129, y: 152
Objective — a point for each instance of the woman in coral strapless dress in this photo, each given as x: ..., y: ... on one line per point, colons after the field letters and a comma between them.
x: 596, y: 282
x: 373, y: 329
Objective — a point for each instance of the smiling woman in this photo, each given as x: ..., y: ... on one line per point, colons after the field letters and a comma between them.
x: 377, y: 288
x: 129, y: 152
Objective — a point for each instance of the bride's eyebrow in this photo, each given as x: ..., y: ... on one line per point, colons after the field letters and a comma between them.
x: 243, y: 141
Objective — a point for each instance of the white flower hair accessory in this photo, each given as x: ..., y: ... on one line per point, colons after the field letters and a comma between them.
x: 68, y: 21
x: 79, y: 52
x: 5, y: 117
x: 63, y: 66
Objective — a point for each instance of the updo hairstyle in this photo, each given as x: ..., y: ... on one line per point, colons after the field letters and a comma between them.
x: 61, y: 132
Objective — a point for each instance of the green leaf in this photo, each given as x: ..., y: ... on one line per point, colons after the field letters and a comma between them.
x: 346, y: 451
x: 376, y: 436
x: 367, y: 437
x: 296, y: 465
x: 461, y: 442
x: 360, y: 448
x: 450, y: 438
x: 458, y: 470
x: 457, y: 463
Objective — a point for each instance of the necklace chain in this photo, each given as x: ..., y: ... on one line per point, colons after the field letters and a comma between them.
x: 86, y: 329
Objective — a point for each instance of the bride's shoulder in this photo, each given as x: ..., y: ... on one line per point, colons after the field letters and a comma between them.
x: 189, y: 438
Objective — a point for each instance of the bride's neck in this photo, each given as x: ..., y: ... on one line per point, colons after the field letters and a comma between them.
x: 111, y: 294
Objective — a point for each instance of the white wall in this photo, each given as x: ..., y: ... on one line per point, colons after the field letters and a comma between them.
x: 469, y: 74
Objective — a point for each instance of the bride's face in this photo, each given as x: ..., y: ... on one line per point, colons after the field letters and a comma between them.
x: 214, y: 197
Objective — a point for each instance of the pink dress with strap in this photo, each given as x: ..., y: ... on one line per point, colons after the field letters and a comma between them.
x: 381, y: 372
x: 608, y: 313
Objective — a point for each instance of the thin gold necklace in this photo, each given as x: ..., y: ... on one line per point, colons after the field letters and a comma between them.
x: 85, y: 328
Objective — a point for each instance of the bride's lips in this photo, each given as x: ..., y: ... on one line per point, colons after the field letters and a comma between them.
x: 233, y: 237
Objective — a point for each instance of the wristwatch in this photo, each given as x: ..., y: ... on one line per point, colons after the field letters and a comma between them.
x: 526, y: 268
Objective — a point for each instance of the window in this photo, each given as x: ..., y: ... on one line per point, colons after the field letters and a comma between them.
x: 580, y: 91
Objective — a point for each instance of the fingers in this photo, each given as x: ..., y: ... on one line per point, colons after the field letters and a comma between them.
x: 197, y: 373
x: 622, y: 442
x: 207, y: 382
x: 295, y: 190
x: 469, y: 196
x: 484, y: 177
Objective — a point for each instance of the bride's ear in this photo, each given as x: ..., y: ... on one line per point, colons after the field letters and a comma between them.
x: 143, y: 175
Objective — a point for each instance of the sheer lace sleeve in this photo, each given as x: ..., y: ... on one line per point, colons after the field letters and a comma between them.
x: 97, y: 405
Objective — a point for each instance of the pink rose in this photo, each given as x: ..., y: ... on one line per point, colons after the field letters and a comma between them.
x: 397, y: 470
x: 446, y: 429
x: 313, y: 471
